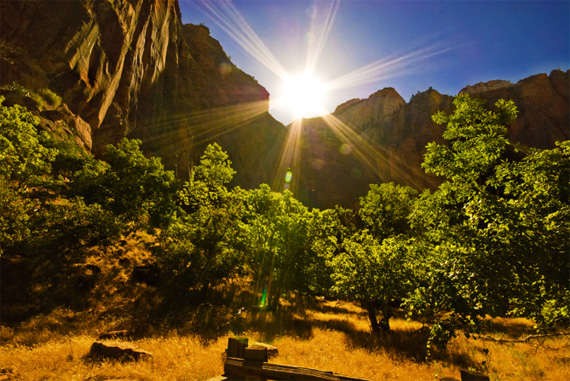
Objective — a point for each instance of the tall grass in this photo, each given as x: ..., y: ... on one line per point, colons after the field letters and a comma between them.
x: 331, y: 336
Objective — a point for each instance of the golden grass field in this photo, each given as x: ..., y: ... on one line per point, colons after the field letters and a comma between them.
x: 332, y: 336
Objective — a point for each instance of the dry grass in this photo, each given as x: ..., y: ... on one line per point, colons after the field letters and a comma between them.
x: 332, y: 336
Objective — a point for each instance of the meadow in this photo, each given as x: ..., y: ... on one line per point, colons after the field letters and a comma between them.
x: 326, y: 335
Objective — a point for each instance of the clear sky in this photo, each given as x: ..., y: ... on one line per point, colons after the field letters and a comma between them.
x: 357, y: 47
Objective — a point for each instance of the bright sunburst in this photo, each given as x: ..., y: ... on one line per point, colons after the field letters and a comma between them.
x: 304, y: 94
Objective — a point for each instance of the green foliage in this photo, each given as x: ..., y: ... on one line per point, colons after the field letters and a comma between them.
x: 275, y: 234
x: 477, y: 140
x: 51, y: 98
x: 377, y: 274
x: 14, y: 216
x: 385, y: 209
x: 328, y: 230
x: 496, y: 231
x: 135, y: 188
x: 375, y: 265
x: 23, y: 158
x: 197, y: 250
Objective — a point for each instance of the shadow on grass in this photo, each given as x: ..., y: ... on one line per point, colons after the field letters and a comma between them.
x: 513, y: 328
x: 233, y: 312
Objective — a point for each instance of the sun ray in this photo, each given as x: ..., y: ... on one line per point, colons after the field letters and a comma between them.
x: 389, y: 67
x: 227, y: 17
x: 289, y: 163
x: 375, y: 159
x: 370, y: 155
x: 319, y: 33
x: 203, y: 126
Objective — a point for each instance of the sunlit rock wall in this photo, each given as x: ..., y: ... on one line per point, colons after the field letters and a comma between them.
x: 130, y: 68
x: 396, y: 133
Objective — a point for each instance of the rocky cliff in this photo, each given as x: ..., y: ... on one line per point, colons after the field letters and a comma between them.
x: 389, y: 136
x: 130, y: 68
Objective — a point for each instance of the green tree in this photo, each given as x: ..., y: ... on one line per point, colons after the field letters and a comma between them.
x: 275, y: 233
x: 40, y: 225
x: 375, y: 265
x: 24, y: 160
x: 385, y: 209
x: 135, y: 188
x: 378, y: 275
x: 328, y: 230
x: 198, y: 249
x: 496, y: 229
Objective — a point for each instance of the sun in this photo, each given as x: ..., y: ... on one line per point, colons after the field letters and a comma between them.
x: 304, y: 95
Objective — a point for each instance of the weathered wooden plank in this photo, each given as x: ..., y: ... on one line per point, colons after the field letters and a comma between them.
x: 255, y: 353
x: 240, y: 367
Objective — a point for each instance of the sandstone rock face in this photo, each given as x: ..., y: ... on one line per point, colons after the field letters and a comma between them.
x: 485, y: 86
x: 388, y: 136
x: 130, y: 68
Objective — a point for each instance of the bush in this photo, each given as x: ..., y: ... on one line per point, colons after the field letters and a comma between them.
x: 51, y: 98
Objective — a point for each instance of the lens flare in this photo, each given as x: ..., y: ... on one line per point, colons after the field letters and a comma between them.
x: 304, y: 94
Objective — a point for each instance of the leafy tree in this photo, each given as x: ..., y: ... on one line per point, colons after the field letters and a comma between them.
x: 385, y: 209
x: 42, y: 227
x: 328, y: 230
x: 24, y: 160
x: 135, y: 188
x: 484, y: 225
x: 14, y: 216
x: 375, y: 266
x: 378, y: 275
x: 275, y: 233
x: 197, y: 249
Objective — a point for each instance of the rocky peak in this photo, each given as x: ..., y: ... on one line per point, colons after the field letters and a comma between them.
x: 399, y: 133
x: 375, y: 110
x: 485, y: 86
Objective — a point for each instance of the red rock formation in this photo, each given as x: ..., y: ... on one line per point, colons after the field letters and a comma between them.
x: 398, y: 132
x: 130, y: 68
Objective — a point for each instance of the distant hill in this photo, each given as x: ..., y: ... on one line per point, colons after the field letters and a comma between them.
x: 131, y: 68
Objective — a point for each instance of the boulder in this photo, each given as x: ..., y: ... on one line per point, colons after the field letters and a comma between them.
x: 117, y: 351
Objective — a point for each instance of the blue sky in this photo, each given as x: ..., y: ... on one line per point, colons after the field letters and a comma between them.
x: 408, y: 45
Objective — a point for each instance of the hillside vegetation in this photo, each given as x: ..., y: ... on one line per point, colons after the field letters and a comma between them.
x: 119, y: 242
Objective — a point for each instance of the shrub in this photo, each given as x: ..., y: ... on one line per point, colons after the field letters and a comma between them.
x: 51, y: 98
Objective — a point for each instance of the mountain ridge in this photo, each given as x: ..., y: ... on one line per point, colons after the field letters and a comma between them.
x: 132, y: 69
x: 399, y: 137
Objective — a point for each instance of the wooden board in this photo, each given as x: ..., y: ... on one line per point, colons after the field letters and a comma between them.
x: 240, y: 367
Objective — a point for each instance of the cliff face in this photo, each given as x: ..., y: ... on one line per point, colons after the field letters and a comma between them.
x: 130, y: 68
x: 395, y: 133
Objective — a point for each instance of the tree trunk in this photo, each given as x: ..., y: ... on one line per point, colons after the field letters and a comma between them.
x: 386, y: 315
x: 385, y: 323
x: 372, y: 316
